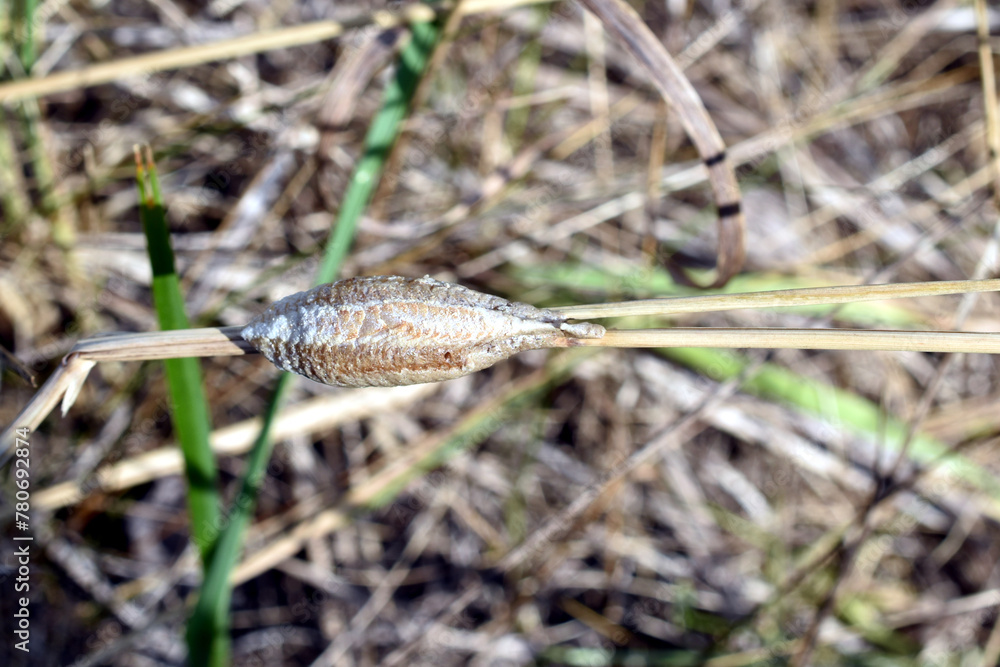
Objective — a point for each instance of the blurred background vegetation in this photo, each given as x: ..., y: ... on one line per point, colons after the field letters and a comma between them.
x: 822, y: 508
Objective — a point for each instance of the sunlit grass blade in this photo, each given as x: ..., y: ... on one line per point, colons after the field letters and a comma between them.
x: 378, y: 142
x: 13, y: 196
x: 187, y: 395
x: 525, y: 76
x: 24, y: 20
x: 208, y: 627
x: 24, y: 31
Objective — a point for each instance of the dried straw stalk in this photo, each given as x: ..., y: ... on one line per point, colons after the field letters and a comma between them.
x: 66, y: 382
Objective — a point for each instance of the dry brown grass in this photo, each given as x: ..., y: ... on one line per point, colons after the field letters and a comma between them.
x: 541, y: 166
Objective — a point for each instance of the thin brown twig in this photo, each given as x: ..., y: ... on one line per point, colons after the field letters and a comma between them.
x: 624, y: 23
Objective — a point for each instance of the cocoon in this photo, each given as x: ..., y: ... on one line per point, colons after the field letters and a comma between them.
x: 388, y: 330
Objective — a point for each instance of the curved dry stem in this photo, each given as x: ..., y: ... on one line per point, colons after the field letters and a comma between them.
x: 622, y: 21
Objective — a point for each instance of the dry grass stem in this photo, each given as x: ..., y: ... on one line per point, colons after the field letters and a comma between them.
x: 69, y: 377
x: 810, y: 296
x: 804, y: 339
x: 206, y: 342
x: 227, y: 341
x: 279, y: 38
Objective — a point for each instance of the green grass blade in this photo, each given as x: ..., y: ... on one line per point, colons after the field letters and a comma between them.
x: 378, y: 142
x: 187, y: 395
x: 24, y: 31
x: 525, y: 77
x: 208, y: 628
x: 23, y: 24
x: 13, y: 200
